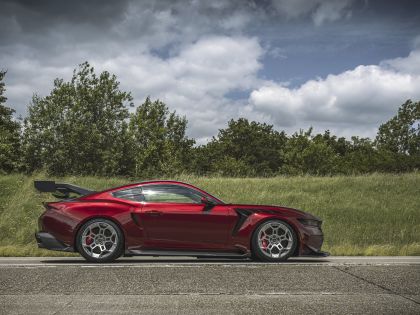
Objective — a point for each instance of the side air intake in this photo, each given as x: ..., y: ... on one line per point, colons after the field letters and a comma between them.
x: 243, y: 214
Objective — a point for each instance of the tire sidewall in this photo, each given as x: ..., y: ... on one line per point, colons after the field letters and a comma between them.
x: 256, y: 250
x: 118, y: 250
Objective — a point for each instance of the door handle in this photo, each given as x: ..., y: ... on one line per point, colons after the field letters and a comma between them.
x: 154, y: 213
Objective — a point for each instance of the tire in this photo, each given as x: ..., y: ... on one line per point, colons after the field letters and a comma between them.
x: 267, y: 245
x: 100, y: 241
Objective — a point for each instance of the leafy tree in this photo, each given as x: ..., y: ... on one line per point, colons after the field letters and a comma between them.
x: 243, y: 148
x: 304, y: 155
x: 83, y: 127
x: 80, y: 127
x: 339, y: 145
x: 351, y: 157
x: 401, y: 134
x: 398, y: 140
x: 9, y: 134
x: 161, y: 146
x: 360, y: 157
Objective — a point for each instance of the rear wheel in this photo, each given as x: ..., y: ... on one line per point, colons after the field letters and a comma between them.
x: 274, y: 241
x: 100, y: 240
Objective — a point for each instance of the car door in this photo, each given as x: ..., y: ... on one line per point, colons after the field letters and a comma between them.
x: 174, y: 217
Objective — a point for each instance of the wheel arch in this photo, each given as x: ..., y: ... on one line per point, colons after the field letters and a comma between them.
x: 98, y: 216
x: 284, y: 219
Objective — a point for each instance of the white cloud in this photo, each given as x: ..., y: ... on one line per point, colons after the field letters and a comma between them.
x: 410, y: 64
x: 362, y: 98
x: 195, y: 81
x: 26, y: 77
x: 196, y: 56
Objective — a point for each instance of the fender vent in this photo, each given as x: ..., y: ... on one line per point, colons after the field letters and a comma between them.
x: 243, y: 214
x: 135, y: 218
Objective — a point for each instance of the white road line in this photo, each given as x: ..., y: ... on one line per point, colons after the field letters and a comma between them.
x: 250, y: 266
x: 187, y: 262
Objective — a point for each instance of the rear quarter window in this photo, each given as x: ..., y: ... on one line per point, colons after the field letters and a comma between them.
x: 133, y: 194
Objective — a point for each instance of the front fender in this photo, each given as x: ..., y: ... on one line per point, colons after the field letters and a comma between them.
x: 243, y: 237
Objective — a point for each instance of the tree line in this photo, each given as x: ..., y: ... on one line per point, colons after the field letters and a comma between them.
x: 84, y: 127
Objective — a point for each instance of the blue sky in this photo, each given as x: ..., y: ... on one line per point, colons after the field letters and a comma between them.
x: 343, y: 65
x: 371, y: 34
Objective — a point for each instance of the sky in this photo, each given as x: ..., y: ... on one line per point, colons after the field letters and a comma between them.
x: 342, y: 65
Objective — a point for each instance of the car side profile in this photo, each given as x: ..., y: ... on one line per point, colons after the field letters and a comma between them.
x: 171, y: 218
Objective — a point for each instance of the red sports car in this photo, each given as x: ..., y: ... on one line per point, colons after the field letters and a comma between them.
x: 170, y: 218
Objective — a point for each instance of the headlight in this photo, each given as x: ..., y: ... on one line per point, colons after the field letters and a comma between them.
x: 311, y: 222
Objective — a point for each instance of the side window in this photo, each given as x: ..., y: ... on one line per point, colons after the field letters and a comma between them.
x: 171, y: 193
x: 134, y: 194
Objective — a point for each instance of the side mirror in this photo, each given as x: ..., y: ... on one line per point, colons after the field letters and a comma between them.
x: 208, y: 204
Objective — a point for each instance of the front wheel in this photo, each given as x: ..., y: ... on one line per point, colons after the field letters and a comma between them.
x: 100, y: 240
x: 274, y: 241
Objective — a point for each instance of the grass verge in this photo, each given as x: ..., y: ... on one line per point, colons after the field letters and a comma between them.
x: 376, y: 214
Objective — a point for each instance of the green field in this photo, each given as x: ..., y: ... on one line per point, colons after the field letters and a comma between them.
x: 363, y: 215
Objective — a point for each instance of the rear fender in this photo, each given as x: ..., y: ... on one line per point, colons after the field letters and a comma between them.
x: 70, y: 216
x: 133, y: 233
x: 97, y: 216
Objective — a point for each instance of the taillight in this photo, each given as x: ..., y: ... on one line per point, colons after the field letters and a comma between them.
x: 49, y: 206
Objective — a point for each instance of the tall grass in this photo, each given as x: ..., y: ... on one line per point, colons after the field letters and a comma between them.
x: 363, y: 215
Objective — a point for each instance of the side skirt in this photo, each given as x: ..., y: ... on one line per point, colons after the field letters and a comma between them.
x: 148, y: 252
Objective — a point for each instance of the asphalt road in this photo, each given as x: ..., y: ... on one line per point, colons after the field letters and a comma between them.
x: 336, y: 285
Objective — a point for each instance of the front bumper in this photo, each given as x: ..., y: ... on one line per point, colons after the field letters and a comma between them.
x: 48, y: 241
x: 311, y: 242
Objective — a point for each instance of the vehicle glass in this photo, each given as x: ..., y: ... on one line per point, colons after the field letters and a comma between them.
x: 133, y: 194
x: 171, y: 193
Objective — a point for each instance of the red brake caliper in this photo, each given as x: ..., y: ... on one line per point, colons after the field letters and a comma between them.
x: 264, y: 242
x: 89, y: 240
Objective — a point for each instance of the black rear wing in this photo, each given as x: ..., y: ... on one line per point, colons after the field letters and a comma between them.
x: 60, y: 190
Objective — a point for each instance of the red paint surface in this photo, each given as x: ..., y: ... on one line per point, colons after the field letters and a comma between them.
x: 167, y: 226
